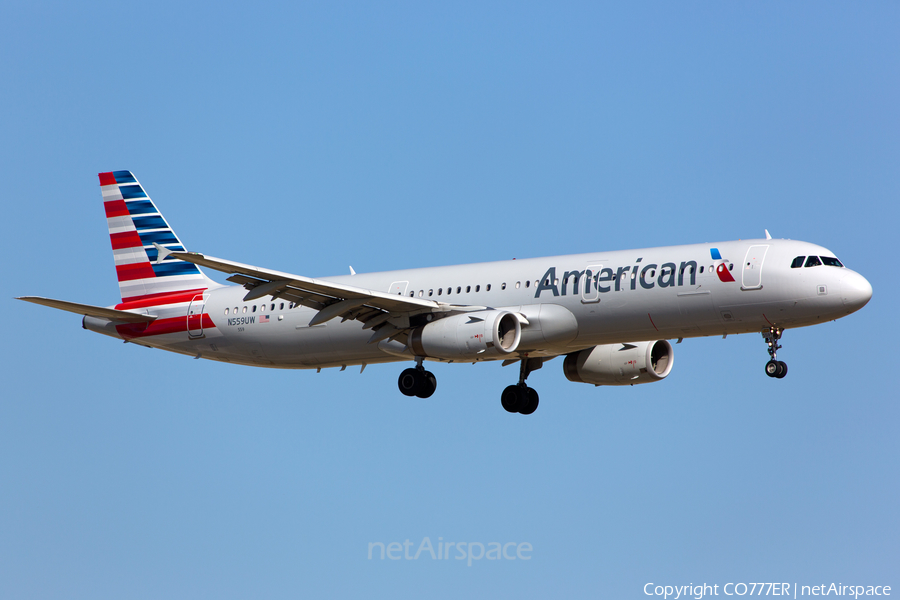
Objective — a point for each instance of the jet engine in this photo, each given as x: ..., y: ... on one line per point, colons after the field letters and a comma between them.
x: 481, y: 334
x: 620, y: 364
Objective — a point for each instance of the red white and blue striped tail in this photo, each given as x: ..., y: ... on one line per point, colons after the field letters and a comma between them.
x: 135, y: 225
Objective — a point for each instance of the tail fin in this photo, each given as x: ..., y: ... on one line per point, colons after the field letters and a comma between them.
x: 134, y: 225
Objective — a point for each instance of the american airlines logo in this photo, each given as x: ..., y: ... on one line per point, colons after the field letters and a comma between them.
x: 722, y: 269
x: 648, y: 276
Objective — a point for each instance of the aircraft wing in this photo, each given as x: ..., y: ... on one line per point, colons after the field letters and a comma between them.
x: 91, y: 311
x: 373, y: 308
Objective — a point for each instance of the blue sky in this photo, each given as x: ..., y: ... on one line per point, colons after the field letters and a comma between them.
x: 309, y: 137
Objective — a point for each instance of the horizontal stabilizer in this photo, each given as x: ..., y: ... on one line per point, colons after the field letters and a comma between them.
x: 90, y: 311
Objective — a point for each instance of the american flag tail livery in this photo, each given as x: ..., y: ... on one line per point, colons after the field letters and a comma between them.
x: 135, y: 225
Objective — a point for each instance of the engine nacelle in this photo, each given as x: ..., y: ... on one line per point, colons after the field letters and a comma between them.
x: 481, y: 334
x: 620, y: 364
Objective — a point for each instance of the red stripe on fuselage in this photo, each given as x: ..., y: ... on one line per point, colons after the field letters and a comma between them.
x: 142, y: 270
x: 107, y: 178
x: 126, y: 239
x: 160, y: 327
x: 160, y: 299
x: 115, y: 208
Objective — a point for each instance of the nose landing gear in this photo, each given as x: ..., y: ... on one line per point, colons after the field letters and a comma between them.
x: 774, y: 368
x: 520, y: 398
x: 417, y: 381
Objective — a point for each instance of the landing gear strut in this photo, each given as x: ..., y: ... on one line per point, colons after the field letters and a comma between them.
x: 417, y: 381
x: 774, y: 368
x: 520, y: 398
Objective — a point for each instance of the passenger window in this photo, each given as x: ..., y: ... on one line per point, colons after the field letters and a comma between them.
x: 273, y: 306
x: 731, y: 267
x: 477, y: 288
x: 701, y: 269
x: 468, y: 288
x: 518, y: 284
x: 281, y: 307
x: 487, y: 288
x: 830, y: 261
x: 420, y: 293
x: 431, y: 292
x: 813, y: 261
x: 226, y: 311
x: 528, y: 283
x: 503, y: 286
x: 798, y: 262
x: 244, y: 310
x: 411, y: 294
x: 253, y: 308
x: 440, y: 290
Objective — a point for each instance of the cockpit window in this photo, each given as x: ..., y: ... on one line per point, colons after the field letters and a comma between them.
x: 831, y: 261
x: 798, y: 262
x: 813, y: 261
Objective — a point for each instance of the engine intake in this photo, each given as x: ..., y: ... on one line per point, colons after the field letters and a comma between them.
x: 620, y: 364
x: 481, y: 334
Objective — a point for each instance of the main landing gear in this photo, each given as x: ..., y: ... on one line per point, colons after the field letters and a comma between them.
x: 417, y: 381
x: 774, y: 368
x: 520, y: 398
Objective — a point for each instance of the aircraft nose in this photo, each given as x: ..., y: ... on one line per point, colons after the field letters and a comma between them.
x: 856, y: 291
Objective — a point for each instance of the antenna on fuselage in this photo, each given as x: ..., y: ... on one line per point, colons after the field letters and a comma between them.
x: 768, y: 237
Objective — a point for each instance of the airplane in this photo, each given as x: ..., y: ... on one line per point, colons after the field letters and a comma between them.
x: 611, y: 314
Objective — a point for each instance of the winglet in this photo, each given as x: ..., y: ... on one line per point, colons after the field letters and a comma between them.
x: 162, y: 253
x: 768, y: 237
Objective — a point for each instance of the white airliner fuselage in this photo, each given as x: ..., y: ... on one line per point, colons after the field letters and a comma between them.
x: 608, y: 312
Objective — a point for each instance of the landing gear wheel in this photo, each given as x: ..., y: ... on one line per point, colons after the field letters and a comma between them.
x: 782, y: 370
x: 429, y: 384
x: 774, y: 368
x: 520, y: 398
x: 408, y: 382
x: 512, y: 399
x: 417, y: 382
x: 532, y: 403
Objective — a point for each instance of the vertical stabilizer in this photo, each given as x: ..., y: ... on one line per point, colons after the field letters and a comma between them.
x: 134, y: 225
